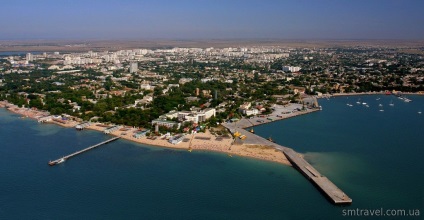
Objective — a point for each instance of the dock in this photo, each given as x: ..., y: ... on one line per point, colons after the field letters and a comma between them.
x: 63, y: 159
x: 328, y: 188
x: 333, y: 193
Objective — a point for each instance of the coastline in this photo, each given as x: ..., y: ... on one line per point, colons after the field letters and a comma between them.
x: 365, y: 93
x: 200, y: 141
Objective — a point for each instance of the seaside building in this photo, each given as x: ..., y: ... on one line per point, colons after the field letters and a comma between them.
x: 165, y: 123
x: 111, y: 129
x: 82, y: 125
x: 176, y: 139
x: 45, y: 119
x: 196, y: 116
x: 140, y: 134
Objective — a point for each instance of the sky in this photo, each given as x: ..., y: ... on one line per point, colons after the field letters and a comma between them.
x: 212, y: 19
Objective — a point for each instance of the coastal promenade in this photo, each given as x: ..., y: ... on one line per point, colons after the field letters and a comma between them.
x: 329, y: 189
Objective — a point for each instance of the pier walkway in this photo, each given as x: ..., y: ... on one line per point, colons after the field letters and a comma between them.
x: 62, y: 159
x: 336, y: 195
x: 331, y: 191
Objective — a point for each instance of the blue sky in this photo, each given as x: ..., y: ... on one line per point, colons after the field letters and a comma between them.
x: 212, y: 19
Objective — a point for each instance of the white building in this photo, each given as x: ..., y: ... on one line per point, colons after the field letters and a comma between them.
x: 147, y: 87
x: 133, y: 67
x: 249, y: 112
x: 291, y: 68
x: 196, y: 116
x: 29, y: 57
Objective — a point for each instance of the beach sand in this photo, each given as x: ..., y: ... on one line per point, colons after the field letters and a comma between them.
x: 197, y: 142
x: 205, y: 142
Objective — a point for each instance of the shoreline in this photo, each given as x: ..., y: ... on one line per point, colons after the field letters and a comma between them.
x: 200, y: 141
x: 365, y: 93
x: 204, y: 142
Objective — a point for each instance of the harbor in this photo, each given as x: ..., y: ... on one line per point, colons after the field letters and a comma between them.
x: 63, y: 159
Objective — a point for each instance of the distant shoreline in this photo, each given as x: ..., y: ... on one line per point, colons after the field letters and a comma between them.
x: 365, y: 93
x: 69, y: 45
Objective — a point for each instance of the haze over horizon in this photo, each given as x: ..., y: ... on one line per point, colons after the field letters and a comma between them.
x: 207, y: 19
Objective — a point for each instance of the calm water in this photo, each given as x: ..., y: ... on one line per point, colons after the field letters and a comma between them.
x: 375, y: 157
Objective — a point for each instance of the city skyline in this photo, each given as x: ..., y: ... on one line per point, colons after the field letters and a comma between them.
x: 189, y: 19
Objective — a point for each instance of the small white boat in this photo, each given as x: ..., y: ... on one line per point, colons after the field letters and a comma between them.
x: 391, y: 103
x: 364, y: 103
x: 61, y: 160
x: 381, y: 110
x: 367, y: 106
x: 419, y: 112
x: 380, y: 105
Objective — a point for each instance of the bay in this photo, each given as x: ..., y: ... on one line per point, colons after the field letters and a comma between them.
x: 374, y: 156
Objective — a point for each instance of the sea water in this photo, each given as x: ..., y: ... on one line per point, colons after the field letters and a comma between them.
x: 374, y: 156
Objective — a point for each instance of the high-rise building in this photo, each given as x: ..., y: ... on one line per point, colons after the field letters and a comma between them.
x: 29, y: 57
x: 133, y: 67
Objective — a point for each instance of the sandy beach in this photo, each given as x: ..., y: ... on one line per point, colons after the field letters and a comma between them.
x: 196, y: 142
x: 205, y: 142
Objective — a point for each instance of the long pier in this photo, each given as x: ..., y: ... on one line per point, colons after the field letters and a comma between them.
x: 333, y: 193
x: 63, y: 159
x: 329, y: 189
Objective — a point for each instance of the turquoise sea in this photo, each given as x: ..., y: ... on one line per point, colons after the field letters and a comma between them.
x: 376, y: 157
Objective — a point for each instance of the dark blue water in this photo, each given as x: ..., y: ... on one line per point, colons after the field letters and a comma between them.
x: 375, y: 157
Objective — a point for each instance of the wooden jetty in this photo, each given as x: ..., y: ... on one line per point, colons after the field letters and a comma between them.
x: 63, y: 159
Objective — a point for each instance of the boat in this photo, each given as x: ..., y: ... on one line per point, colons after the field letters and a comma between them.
x: 189, y: 149
x: 364, y: 103
x: 252, y: 131
x: 52, y: 163
x: 270, y: 139
x: 391, y: 103
x: 380, y: 105
x: 230, y: 155
x: 419, y: 112
x: 367, y: 106
x: 61, y: 160
x: 377, y: 99
x: 381, y: 110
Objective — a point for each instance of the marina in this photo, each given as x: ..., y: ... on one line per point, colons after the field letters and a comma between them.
x: 63, y: 159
